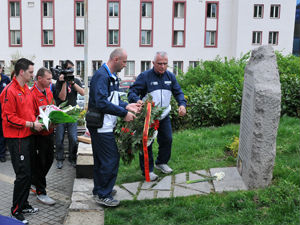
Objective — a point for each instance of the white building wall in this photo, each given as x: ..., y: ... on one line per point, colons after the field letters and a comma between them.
x: 235, y: 26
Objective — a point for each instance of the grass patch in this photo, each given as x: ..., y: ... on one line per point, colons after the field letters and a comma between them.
x: 203, y: 149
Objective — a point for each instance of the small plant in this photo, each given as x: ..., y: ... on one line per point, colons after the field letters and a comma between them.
x: 233, y: 148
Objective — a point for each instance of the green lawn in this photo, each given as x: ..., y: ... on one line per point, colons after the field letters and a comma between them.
x: 203, y: 149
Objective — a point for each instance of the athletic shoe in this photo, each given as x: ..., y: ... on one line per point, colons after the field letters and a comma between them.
x: 164, y: 168
x: 33, y: 189
x: 59, y: 164
x: 3, y: 159
x: 45, y: 199
x: 19, y: 216
x: 153, y: 176
x: 110, y: 202
x: 113, y: 193
x: 29, y: 209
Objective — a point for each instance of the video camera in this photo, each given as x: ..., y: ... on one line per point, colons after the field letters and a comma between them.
x: 58, y: 70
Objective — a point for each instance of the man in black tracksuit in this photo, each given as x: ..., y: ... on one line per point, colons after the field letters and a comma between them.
x: 161, y: 84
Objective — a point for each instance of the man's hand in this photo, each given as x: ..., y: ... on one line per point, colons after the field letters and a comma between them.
x: 61, y: 77
x: 140, y: 102
x: 134, y: 107
x: 37, y: 126
x: 129, y: 117
x: 182, y: 110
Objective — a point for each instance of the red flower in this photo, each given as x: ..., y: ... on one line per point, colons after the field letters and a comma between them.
x: 153, y: 104
x: 125, y: 130
x: 132, y: 133
x: 156, y: 124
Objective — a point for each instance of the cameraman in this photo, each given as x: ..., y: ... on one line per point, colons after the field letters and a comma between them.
x: 66, y: 90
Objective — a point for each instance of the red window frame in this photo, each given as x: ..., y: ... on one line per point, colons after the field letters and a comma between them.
x: 53, y: 21
x: 151, y: 43
x: 173, y: 18
x: 107, y: 24
x: 75, y: 44
x: 8, y: 15
x: 217, y: 28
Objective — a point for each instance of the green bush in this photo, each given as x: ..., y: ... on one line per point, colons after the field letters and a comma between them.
x: 214, y: 91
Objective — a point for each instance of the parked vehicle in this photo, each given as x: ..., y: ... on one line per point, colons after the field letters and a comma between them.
x: 125, y: 85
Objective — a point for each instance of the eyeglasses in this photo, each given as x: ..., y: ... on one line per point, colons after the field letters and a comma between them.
x: 162, y: 64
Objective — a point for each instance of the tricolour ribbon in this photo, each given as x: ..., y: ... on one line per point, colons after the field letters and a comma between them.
x: 145, y: 140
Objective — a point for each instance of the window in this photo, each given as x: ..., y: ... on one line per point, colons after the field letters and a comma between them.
x: 113, y: 9
x: 274, y: 12
x: 80, y: 9
x: 47, y: 9
x: 113, y: 37
x: 80, y: 68
x: 15, y: 38
x: 178, y: 38
x: 79, y: 37
x: 210, y: 38
x: 146, y: 9
x: 256, y: 37
x: 129, y: 69
x: 48, y: 37
x: 258, y: 11
x: 96, y: 65
x: 145, y: 65
x: 146, y: 37
x: 193, y: 64
x: 273, y: 37
x: 177, y: 66
x: 48, y: 64
x: 14, y: 9
x: 179, y: 10
x: 211, y: 10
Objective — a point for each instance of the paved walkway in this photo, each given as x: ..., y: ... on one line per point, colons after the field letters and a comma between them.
x: 60, y: 184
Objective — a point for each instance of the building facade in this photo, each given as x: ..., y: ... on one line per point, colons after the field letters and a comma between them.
x: 50, y: 31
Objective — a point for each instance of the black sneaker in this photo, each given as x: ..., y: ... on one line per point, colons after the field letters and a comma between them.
x: 29, y: 209
x: 3, y: 159
x: 19, y: 216
x: 110, y: 202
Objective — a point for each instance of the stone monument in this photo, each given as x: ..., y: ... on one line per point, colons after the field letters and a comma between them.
x: 260, y: 116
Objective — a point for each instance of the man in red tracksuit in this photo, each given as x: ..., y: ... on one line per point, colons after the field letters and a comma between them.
x: 43, y: 150
x: 18, y: 118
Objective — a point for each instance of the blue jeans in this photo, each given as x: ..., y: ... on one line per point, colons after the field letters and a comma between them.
x: 72, y: 136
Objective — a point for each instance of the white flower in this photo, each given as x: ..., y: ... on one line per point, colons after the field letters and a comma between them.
x: 219, y: 176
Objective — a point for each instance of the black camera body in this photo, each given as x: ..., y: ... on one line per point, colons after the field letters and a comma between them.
x: 58, y: 70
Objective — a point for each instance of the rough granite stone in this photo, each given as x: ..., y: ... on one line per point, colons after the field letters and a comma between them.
x: 83, y: 185
x: 260, y: 114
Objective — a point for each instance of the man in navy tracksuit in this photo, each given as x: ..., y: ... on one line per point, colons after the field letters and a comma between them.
x: 161, y: 84
x: 104, y: 97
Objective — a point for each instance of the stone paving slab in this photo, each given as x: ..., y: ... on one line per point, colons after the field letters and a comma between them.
x: 164, y: 194
x: 144, y: 194
x: 147, y: 185
x: 204, y: 187
x: 132, y: 187
x: 164, y: 184
x: 181, y: 191
x: 180, y: 178
x: 81, y: 217
x: 122, y: 194
x: 231, y: 182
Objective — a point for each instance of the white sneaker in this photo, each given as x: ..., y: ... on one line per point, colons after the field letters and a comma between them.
x: 46, y: 199
x: 164, y: 168
x: 153, y: 176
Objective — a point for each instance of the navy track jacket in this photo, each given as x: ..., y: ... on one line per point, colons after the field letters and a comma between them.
x: 104, y: 96
x: 161, y: 88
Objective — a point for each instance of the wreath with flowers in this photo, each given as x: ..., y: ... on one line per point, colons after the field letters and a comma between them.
x: 129, y: 135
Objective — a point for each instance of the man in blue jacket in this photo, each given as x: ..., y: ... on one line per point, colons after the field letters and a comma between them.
x: 4, y: 80
x: 161, y: 84
x: 104, y: 97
